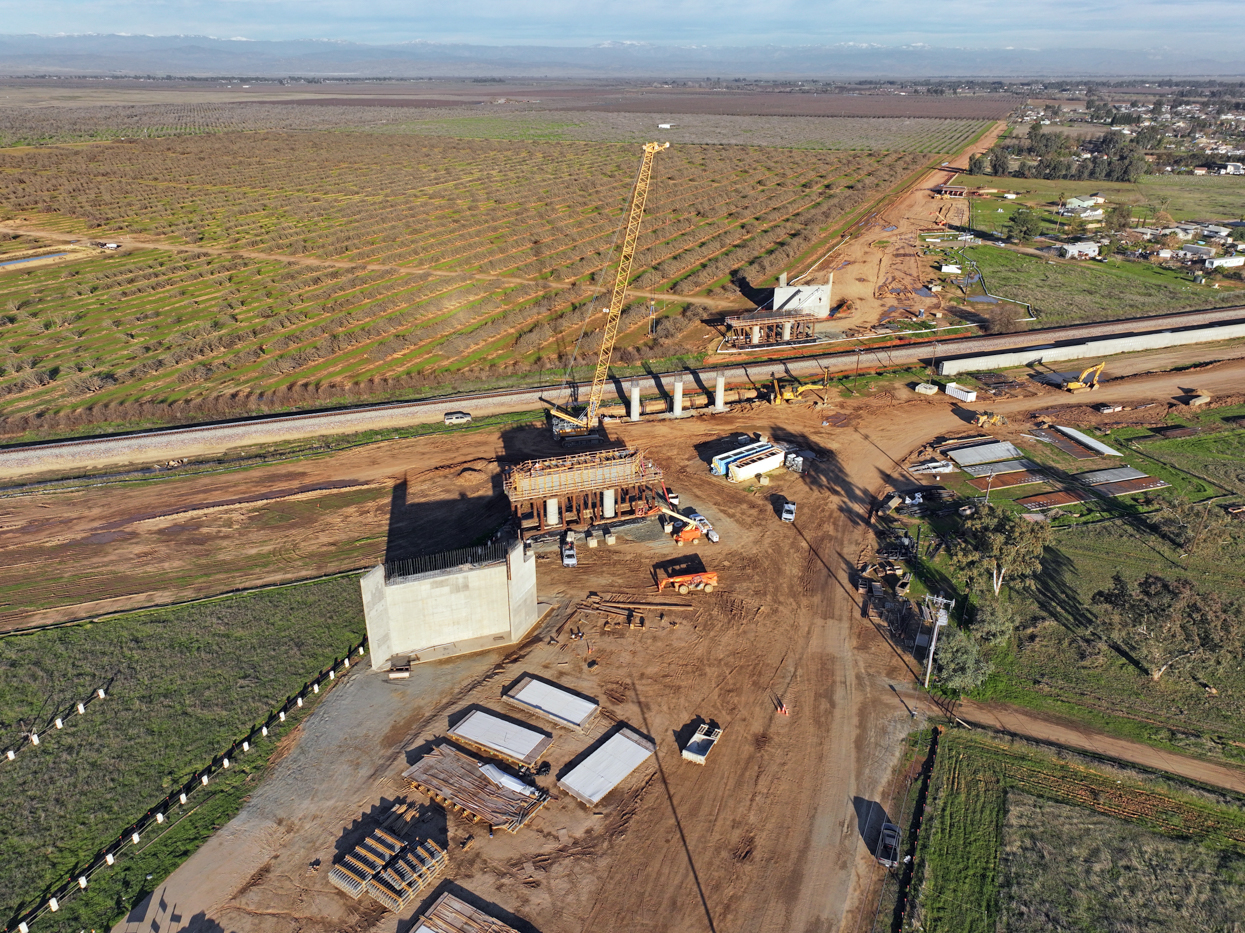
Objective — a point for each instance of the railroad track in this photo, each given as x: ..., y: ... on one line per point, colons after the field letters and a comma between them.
x: 176, y: 443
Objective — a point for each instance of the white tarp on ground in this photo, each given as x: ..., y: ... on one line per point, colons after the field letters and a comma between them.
x: 502, y: 779
x: 552, y: 702
x: 1007, y: 466
x: 510, y: 739
x: 605, y: 768
x: 1114, y: 475
x: 986, y: 453
x: 1088, y: 441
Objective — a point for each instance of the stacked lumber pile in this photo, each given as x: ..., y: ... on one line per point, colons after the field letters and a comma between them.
x: 631, y: 608
x: 409, y: 872
x: 455, y: 780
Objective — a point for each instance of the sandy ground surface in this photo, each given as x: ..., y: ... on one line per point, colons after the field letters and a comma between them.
x: 678, y: 847
x: 149, y: 543
x: 880, y: 268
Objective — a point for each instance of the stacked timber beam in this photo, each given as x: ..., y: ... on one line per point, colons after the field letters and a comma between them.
x: 387, y: 867
x: 459, y: 782
x: 630, y: 609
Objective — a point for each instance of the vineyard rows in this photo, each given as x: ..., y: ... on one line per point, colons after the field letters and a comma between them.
x: 462, y: 256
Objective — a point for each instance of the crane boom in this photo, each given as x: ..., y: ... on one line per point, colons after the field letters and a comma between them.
x: 614, y: 314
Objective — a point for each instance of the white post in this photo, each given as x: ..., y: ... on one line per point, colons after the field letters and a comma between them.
x: 159, y: 817
x: 607, y: 504
x: 756, y: 334
x: 134, y: 837
x: 81, y: 709
x: 635, y: 400
x: 82, y: 882
x: 719, y: 392
x: 110, y: 858
x: 678, y: 395
x: 34, y: 738
x: 59, y: 723
x: 53, y: 904
x: 786, y: 331
x: 181, y: 797
x: 552, y: 518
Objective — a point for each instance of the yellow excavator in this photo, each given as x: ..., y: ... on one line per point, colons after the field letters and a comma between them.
x: 1086, y: 381
x: 791, y: 391
x: 583, y: 423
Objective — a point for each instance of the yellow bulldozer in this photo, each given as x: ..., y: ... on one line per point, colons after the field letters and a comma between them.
x: 988, y: 419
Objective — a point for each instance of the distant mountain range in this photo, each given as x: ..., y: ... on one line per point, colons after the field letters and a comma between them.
x: 205, y: 56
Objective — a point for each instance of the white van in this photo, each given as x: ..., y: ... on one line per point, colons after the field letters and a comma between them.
x: 457, y: 417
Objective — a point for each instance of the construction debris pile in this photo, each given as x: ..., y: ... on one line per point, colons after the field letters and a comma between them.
x: 475, y: 788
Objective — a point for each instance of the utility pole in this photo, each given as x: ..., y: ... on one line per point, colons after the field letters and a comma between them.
x: 941, y: 618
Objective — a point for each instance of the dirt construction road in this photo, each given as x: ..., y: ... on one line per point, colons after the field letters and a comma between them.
x: 763, y: 838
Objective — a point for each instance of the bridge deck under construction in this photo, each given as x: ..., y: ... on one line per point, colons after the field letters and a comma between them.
x: 582, y: 488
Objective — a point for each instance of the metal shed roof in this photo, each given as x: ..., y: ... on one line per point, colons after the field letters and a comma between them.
x: 1088, y: 441
x: 521, y: 744
x: 605, y: 768
x: 985, y: 453
x: 1007, y: 466
x: 1115, y: 475
x: 552, y: 702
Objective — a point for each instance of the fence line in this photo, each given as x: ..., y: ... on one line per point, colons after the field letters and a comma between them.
x: 157, y: 815
x: 33, y: 738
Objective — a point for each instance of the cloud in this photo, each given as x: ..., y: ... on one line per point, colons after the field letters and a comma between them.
x: 1199, y: 26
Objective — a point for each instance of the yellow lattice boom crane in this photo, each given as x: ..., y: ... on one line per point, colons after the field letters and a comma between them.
x: 586, y: 421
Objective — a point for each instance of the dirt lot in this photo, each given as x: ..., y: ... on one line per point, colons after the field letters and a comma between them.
x: 764, y: 837
x: 881, y: 266
x: 680, y: 847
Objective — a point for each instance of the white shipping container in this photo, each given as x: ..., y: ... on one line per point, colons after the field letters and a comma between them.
x: 758, y: 464
x: 955, y: 390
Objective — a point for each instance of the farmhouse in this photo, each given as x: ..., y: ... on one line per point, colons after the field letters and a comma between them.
x: 1084, y: 250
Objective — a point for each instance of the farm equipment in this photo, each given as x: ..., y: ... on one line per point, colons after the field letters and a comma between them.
x: 683, y: 583
x: 583, y: 424
x: 1086, y: 381
x: 988, y: 418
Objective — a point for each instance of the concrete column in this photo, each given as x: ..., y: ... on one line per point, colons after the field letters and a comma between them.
x: 756, y: 334
x: 635, y: 400
x: 786, y: 331
x: 782, y: 280
x: 719, y: 392
x: 607, y: 504
x: 551, y: 512
x: 678, y: 395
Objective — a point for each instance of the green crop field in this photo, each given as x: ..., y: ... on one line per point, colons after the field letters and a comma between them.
x: 1072, y: 293
x: 1185, y: 197
x: 1016, y: 839
x: 182, y: 684
x: 351, y: 260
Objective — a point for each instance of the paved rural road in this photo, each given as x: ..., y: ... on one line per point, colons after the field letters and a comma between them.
x: 176, y: 443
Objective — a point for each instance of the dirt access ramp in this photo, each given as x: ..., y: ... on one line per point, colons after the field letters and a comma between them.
x: 763, y: 837
x: 881, y: 266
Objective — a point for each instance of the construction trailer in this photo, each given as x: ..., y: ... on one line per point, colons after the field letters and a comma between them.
x: 450, y: 914
x: 479, y: 790
x: 756, y: 464
x: 557, y: 704
x: 581, y: 489
x: 699, y: 745
x: 607, y: 766
x: 719, y: 464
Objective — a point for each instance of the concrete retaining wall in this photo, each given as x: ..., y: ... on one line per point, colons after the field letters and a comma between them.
x: 1092, y: 348
x: 450, y: 612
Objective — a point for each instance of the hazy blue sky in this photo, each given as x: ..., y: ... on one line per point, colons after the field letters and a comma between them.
x: 1196, y: 26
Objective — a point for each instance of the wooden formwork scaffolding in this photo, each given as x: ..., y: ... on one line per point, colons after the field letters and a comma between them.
x: 769, y: 327
x: 587, y: 488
